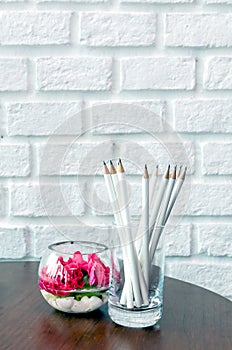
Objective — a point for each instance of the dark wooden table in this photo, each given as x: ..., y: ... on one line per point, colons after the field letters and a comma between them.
x: 193, y: 319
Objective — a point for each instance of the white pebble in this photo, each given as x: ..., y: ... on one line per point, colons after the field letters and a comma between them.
x: 78, y: 306
x: 65, y: 304
x: 69, y: 304
x: 95, y: 302
x: 85, y: 300
x: 53, y: 303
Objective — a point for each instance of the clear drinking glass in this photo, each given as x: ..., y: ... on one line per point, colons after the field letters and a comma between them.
x: 150, y: 312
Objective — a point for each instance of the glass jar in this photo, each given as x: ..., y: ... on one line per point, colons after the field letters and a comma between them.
x: 74, y: 276
x: 136, y: 295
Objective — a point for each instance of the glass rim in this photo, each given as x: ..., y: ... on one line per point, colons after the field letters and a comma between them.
x: 136, y: 224
x: 99, y: 246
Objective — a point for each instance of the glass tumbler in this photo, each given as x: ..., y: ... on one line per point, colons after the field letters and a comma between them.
x: 136, y: 301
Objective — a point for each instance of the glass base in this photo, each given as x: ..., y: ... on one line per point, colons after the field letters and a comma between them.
x: 135, y: 318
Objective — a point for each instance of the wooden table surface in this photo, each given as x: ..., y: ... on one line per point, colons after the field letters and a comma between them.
x: 193, y: 319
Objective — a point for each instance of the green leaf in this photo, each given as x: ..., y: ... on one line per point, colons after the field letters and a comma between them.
x: 88, y: 294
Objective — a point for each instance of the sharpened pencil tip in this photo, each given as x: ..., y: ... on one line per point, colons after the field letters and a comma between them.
x: 182, y: 176
x: 120, y: 166
x: 105, y: 168
x: 173, y: 174
x: 179, y: 172
x: 166, y: 175
x: 145, y: 173
x: 112, y: 168
x: 156, y: 171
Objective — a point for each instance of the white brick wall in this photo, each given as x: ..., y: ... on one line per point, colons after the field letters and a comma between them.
x: 187, y: 30
x: 212, y: 160
x: 217, y: 73
x: 14, y: 243
x: 215, y: 240
x: 121, y: 29
x: 128, y: 116
x: 75, y: 158
x: 13, y: 74
x: 2, y: 201
x: 147, y: 80
x: 158, y: 73
x: 208, y: 275
x: 14, y: 160
x: 208, y: 115
x: 65, y: 73
x: 43, y: 118
x: 45, y: 200
x: 34, y: 28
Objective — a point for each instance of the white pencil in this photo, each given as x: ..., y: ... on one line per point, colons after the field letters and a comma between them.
x: 132, y: 256
x: 155, y: 207
x: 118, y: 220
x: 162, y: 214
x: 112, y: 195
x: 175, y: 192
x: 152, y: 186
x: 144, y: 253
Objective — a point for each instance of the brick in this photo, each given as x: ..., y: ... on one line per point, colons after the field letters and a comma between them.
x: 46, y: 200
x: 66, y: 73
x: 10, y: 1
x: 128, y: 117
x: 14, y: 159
x: 215, y: 239
x: 229, y: 2
x: 216, y: 277
x: 2, y: 122
x: 157, y: 73
x: 45, y: 235
x: 217, y: 73
x: 77, y: 1
x: 205, y: 199
x: 100, y: 204
x: 134, y: 154
x: 178, y: 240
x: 14, y: 246
x: 2, y: 201
x: 185, y: 29
x: 156, y: 1
x: 13, y: 74
x: 203, y: 115
x: 34, y: 28
x: 73, y: 158
x: 213, y: 162
x: 44, y: 118
x: 117, y: 29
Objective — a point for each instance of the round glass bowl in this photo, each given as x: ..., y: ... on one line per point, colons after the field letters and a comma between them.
x: 74, y: 276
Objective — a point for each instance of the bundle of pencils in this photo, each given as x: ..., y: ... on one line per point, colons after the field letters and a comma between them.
x: 158, y: 200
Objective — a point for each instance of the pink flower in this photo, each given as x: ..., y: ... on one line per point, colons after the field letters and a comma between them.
x: 78, y: 259
x: 99, y: 274
x: 67, y: 276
